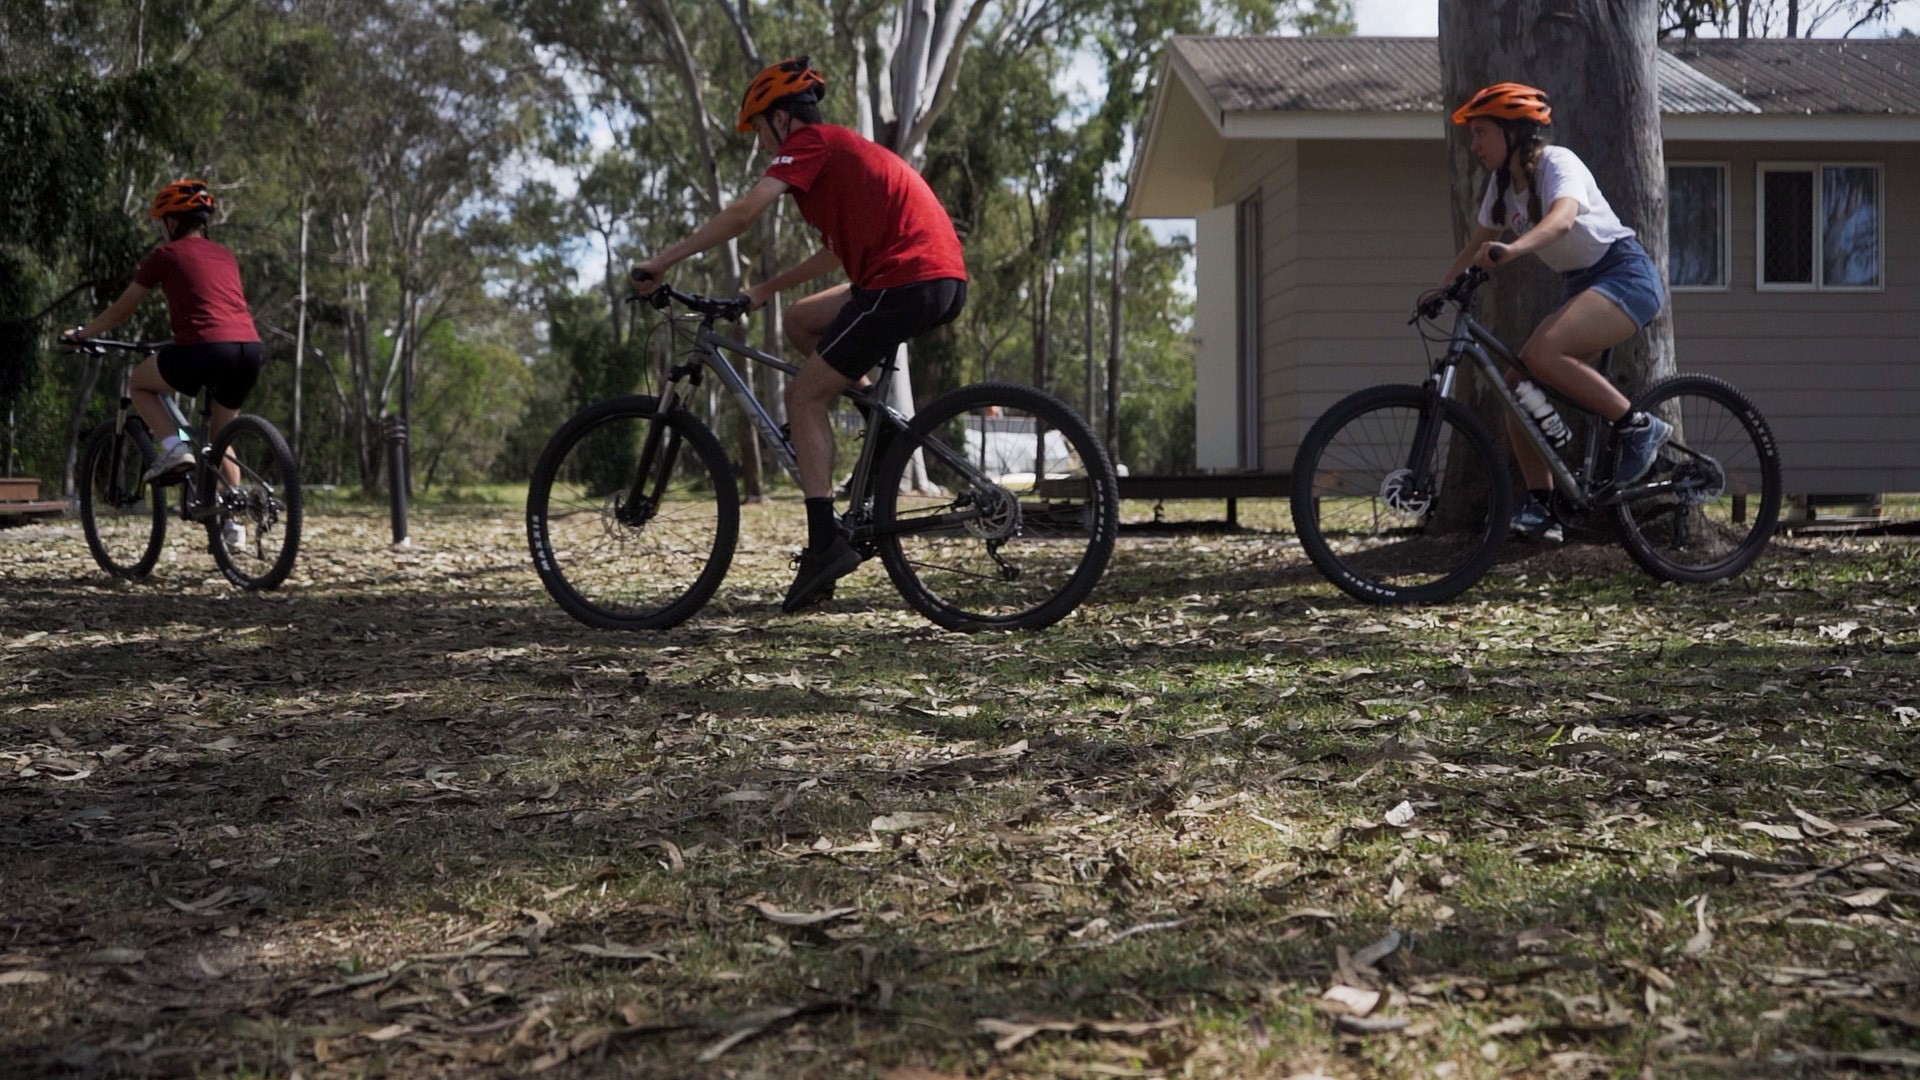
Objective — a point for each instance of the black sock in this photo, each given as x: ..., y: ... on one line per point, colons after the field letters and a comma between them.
x: 1541, y: 495
x: 1634, y: 419
x: 821, y: 528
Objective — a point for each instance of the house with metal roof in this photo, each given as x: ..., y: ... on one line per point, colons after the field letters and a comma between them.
x: 1316, y: 170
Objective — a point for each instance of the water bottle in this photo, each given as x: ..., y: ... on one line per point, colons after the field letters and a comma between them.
x: 1534, y: 401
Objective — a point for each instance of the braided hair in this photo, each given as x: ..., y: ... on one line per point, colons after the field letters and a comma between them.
x: 1531, y: 139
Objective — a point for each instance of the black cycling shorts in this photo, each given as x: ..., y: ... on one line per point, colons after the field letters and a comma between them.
x: 228, y: 369
x: 875, y: 322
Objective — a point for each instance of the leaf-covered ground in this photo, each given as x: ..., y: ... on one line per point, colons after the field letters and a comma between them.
x: 405, y: 818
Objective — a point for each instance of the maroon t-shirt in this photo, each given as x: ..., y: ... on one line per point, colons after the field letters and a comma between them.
x: 204, y: 300
x: 871, y: 209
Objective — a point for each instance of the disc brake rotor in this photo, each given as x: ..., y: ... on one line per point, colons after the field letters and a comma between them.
x: 1398, y: 492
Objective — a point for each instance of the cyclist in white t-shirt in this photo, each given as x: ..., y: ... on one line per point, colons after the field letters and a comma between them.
x: 1545, y: 196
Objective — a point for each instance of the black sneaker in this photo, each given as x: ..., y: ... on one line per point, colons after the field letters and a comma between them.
x: 1536, y: 521
x: 818, y: 571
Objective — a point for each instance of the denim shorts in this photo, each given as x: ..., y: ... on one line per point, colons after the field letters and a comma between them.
x: 1625, y: 275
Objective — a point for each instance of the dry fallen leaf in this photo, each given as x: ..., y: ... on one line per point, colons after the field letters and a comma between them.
x: 904, y: 821
x: 1401, y: 815
x: 1702, y: 939
x: 1012, y: 1033
x: 1866, y: 898
x: 23, y: 978
x: 798, y: 918
x: 1778, y: 832
x: 1350, y: 999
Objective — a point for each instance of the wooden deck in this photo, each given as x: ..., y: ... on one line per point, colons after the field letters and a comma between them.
x: 1232, y: 487
x: 20, y: 497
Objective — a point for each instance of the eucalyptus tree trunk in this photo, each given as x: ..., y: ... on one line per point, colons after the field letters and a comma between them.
x: 300, y: 325
x: 1596, y: 61
x: 927, y: 40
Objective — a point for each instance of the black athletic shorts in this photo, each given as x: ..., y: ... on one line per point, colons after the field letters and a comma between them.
x: 228, y: 369
x: 874, y: 322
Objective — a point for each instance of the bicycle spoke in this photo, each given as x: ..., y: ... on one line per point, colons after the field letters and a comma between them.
x: 1031, y: 530
x: 616, y: 570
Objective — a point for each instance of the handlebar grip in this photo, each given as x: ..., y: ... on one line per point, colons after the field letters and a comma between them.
x: 639, y: 276
x: 1495, y: 252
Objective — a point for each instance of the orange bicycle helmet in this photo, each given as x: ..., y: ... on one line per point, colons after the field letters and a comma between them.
x: 1507, y: 101
x: 182, y: 197
x: 783, y: 80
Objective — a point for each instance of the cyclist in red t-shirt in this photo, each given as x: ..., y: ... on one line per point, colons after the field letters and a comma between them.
x: 879, y: 220
x: 214, y: 341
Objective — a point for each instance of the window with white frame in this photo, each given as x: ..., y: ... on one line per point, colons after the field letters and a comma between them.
x: 1821, y: 226
x: 1697, y: 220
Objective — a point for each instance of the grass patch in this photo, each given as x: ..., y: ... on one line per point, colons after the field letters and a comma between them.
x: 405, y: 818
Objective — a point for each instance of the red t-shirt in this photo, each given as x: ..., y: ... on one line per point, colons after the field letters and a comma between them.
x: 204, y: 300
x: 872, y: 210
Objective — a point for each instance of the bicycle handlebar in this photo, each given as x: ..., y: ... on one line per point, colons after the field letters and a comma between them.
x: 1460, y: 292
x: 99, y: 346
x: 732, y: 308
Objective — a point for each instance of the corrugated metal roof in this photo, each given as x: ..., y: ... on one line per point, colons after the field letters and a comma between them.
x: 1393, y: 75
x: 1799, y: 77
x: 1333, y: 74
x: 1686, y: 91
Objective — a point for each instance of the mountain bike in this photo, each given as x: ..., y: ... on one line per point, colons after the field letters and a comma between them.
x: 633, y: 515
x: 1401, y: 495
x: 249, y: 503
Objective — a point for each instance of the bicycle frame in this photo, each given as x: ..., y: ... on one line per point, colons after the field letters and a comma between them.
x: 1477, y: 343
x: 708, y: 345
x: 193, y: 507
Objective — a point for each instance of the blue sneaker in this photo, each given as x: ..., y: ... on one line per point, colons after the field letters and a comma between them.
x: 1535, y: 520
x: 1639, y: 446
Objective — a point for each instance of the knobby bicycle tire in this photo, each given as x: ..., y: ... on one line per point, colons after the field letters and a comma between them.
x: 613, y: 573
x: 1019, y: 554
x: 1714, y: 490
x: 267, y: 504
x: 1379, y: 538
x: 111, y: 488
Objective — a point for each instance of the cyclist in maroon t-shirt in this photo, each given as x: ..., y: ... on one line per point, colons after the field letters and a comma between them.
x: 214, y: 341
x: 879, y: 220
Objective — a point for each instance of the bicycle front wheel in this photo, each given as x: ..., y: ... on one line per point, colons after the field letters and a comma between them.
x: 1709, y: 505
x: 632, y: 520
x: 1013, y: 521
x: 1383, y: 524
x: 125, y: 521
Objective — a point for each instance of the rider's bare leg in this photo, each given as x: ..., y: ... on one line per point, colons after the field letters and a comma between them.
x: 809, y: 397
x: 146, y: 386
x: 1560, y: 354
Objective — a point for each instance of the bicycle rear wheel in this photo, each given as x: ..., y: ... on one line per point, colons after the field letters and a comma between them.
x: 124, y: 520
x: 255, y: 536
x: 1374, y: 528
x: 1709, y: 505
x: 1016, y: 538
x: 624, y: 554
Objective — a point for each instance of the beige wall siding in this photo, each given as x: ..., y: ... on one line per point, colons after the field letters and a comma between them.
x: 1375, y: 231
x: 1270, y: 170
x: 1368, y: 227
x: 1836, y: 373
x: 1216, y: 444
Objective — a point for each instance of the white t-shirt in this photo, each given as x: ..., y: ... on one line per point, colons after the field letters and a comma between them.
x: 1560, y: 175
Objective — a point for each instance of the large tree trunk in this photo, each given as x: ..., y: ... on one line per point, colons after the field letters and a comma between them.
x: 300, y: 326
x: 1596, y: 60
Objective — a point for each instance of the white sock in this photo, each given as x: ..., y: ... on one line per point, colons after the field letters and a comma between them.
x: 167, y: 444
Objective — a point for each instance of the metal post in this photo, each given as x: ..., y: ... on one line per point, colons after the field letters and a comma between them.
x: 395, y: 430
